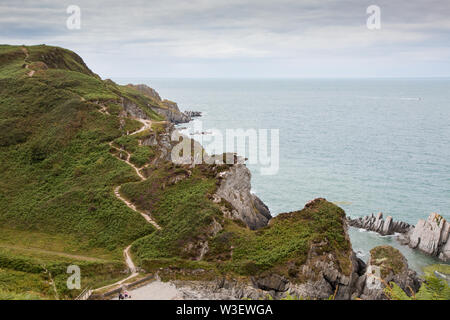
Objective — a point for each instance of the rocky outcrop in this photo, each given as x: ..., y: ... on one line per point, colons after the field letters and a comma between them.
x: 261, y: 207
x: 327, y: 274
x: 377, y: 224
x: 235, y: 188
x: 172, y: 113
x: 234, y: 183
x: 322, y: 275
x: 431, y: 236
x: 386, y: 265
x: 166, y: 108
x: 193, y: 114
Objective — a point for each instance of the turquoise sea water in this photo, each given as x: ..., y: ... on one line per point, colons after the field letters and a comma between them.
x: 370, y: 145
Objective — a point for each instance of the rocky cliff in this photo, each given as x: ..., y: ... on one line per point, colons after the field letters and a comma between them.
x: 235, y: 188
x: 234, y: 183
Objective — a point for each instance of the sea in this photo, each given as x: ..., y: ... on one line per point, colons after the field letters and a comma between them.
x: 368, y: 145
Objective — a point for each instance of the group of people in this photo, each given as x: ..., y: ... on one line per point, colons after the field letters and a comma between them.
x: 124, y: 295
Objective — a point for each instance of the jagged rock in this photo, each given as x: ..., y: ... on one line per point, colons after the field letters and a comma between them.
x: 193, y: 114
x: 272, y: 282
x: 387, y: 226
x: 261, y: 207
x: 150, y: 141
x: 378, y: 224
x: 432, y: 236
x: 235, y: 188
x: 386, y: 264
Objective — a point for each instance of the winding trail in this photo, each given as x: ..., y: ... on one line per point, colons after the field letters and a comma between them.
x: 127, y: 161
x: 128, y: 260
x: 27, y: 54
x: 133, y: 207
x: 130, y: 265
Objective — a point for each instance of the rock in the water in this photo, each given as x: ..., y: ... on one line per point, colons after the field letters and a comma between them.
x: 378, y: 224
x: 193, y: 114
x: 432, y: 236
x: 386, y: 265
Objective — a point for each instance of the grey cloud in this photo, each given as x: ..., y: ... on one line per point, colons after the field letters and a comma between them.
x: 196, y: 33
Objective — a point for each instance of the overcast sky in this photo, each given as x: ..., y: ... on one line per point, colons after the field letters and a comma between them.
x: 228, y: 38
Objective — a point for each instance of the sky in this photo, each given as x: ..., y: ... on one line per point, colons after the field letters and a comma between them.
x: 240, y: 39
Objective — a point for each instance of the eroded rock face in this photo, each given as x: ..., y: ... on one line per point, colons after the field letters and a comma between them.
x: 272, y: 282
x: 432, y: 237
x: 235, y: 188
x: 386, y: 265
x: 383, y: 226
x: 324, y: 274
x: 133, y: 110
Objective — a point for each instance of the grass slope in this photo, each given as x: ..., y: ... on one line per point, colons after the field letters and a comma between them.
x: 56, y: 171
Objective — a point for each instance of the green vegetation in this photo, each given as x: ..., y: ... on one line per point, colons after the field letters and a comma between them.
x: 44, y: 276
x: 185, y: 214
x: 388, y: 259
x: 432, y: 288
x: 141, y: 156
x: 57, y: 174
x: 441, y: 268
x: 182, y: 209
x: 284, y: 245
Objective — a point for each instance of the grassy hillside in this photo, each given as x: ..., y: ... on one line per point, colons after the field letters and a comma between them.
x: 58, y: 173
